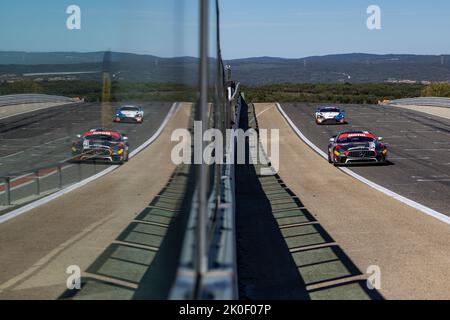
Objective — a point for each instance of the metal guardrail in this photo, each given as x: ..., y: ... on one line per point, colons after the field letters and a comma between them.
x: 219, y: 281
x: 15, y: 99
x: 207, y: 268
x: 423, y: 101
x: 22, y: 187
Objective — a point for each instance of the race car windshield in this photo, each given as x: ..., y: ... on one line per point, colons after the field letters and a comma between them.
x: 355, y: 139
x: 101, y: 137
x: 330, y: 110
x: 130, y: 109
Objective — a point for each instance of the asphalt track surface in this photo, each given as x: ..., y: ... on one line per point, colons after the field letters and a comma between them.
x: 419, y: 145
x: 43, y: 138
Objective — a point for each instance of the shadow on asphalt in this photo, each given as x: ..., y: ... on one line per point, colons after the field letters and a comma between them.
x: 142, y: 262
x: 358, y: 165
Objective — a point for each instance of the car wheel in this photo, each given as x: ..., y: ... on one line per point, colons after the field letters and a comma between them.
x: 118, y: 160
x: 335, y: 162
x: 329, y: 158
x: 75, y: 158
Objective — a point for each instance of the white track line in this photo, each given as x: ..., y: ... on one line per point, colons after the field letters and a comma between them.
x: 12, y: 155
x: 440, y: 216
x: 172, y: 111
x: 84, y: 182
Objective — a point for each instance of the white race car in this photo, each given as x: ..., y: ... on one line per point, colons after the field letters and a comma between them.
x: 329, y: 115
x: 129, y: 114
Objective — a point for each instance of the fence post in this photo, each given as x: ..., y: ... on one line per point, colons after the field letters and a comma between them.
x: 8, y: 190
x: 38, y: 186
x: 60, y: 180
x: 201, y: 265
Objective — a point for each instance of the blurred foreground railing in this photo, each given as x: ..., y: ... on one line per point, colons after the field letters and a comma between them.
x: 26, y: 186
x: 219, y: 282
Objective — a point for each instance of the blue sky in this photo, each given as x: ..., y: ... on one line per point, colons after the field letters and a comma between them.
x: 159, y: 27
x: 298, y: 28
x: 284, y: 28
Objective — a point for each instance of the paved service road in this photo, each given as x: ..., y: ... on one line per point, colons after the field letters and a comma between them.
x: 44, y: 137
x: 419, y: 148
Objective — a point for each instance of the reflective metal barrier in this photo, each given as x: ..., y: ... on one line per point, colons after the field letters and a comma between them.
x: 207, y: 268
x: 207, y: 265
x: 219, y: 280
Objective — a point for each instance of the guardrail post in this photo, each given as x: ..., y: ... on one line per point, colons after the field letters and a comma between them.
x: 201, y: 265
x: 8, y: 190
x: 60, y: 180
x: 38, y: 184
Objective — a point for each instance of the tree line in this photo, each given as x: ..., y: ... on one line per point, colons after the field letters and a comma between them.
x: 369, y: 93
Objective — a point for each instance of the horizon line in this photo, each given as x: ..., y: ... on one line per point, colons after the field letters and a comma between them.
x: 229, y: 59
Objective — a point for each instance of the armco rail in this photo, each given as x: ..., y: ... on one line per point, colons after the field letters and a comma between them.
x: 15, y: 99
x: 220, y: 281
x: 423, y: 101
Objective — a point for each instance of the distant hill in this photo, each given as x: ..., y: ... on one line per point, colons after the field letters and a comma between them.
x: 354, y: 68
x: 34, y: 58
x: 122, y: 66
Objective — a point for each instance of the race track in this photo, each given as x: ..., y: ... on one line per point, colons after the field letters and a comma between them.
x: 419, y: 145
x: 43, y: 138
